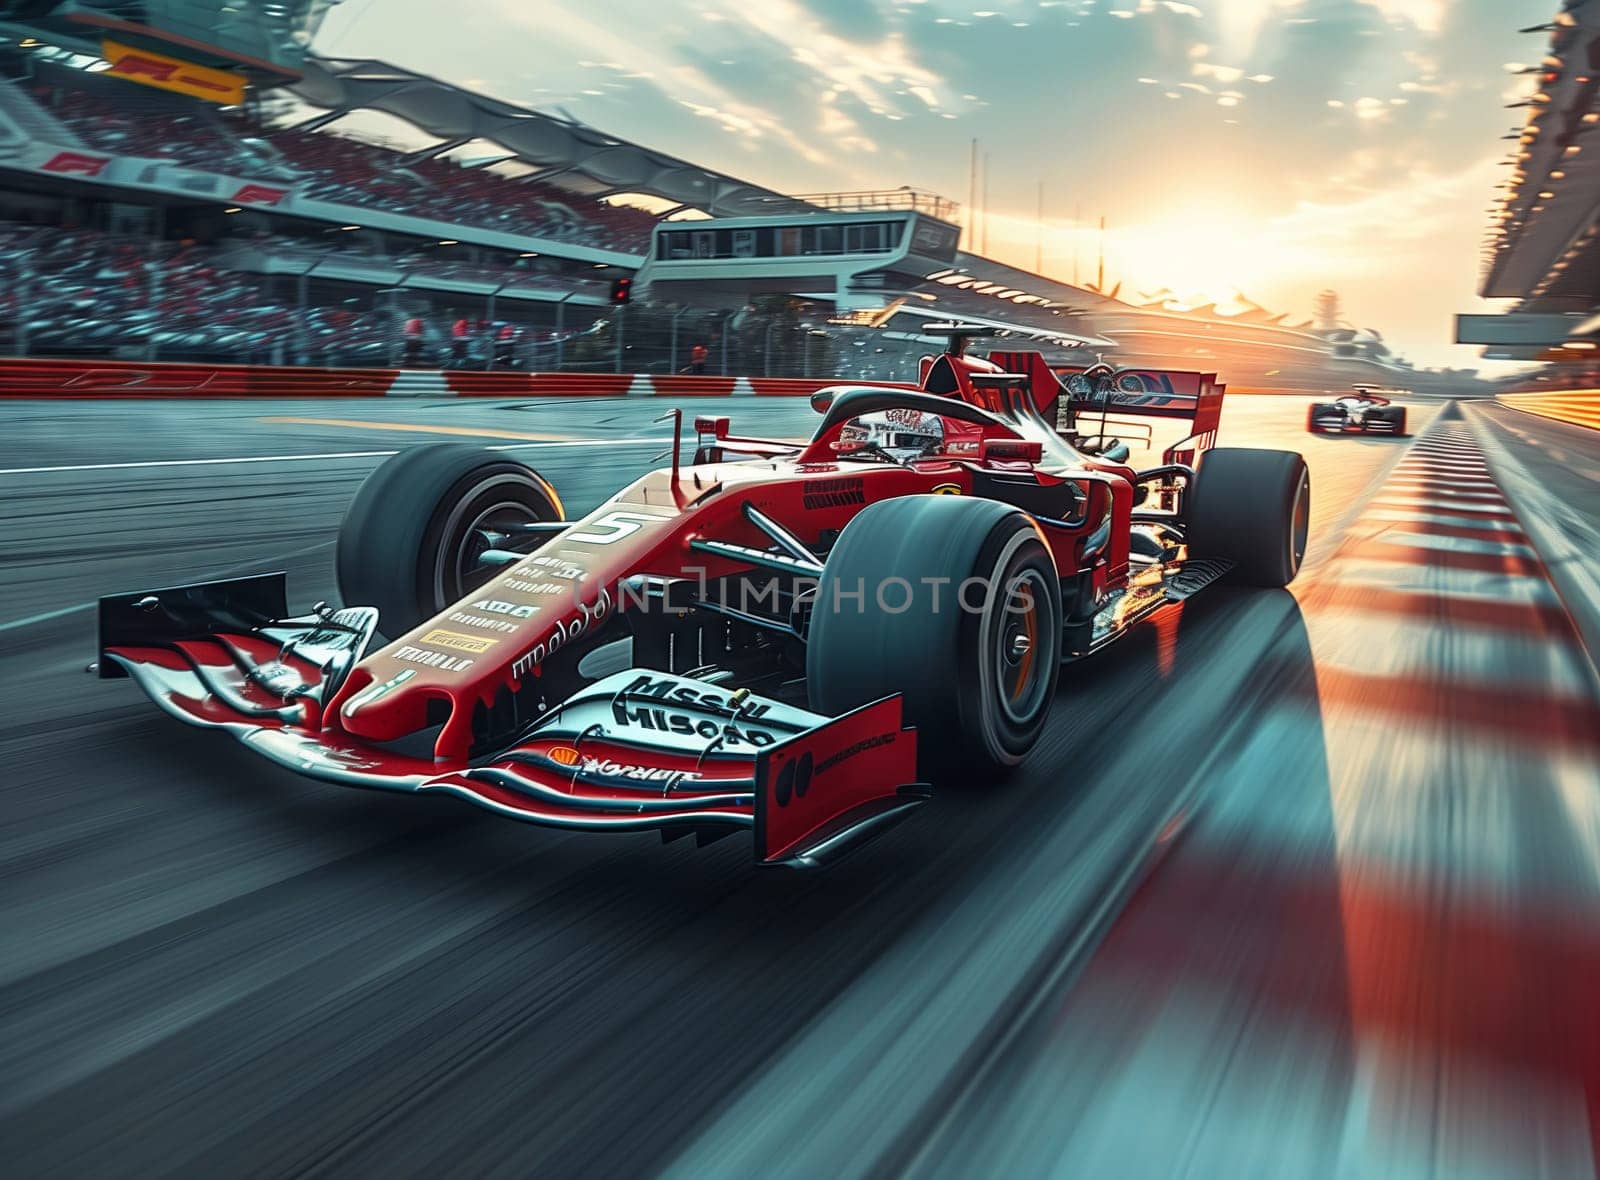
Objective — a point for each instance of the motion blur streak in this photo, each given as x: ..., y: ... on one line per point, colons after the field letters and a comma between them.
x: 1369, y: 951
x: 1295, y: 884
x: 1579, y: 406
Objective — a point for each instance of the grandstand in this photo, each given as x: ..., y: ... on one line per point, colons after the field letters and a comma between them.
x: 1542, y: 252
x: 185, y: 189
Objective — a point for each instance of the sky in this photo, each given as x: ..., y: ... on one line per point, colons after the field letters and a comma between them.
x: 1267, y: 149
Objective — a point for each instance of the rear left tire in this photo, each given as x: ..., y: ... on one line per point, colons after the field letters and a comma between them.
x: 1252, y: 508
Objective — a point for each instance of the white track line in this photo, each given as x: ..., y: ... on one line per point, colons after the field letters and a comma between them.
x: 193, y: 462
x: 326, y: 455
x: 213, y: 575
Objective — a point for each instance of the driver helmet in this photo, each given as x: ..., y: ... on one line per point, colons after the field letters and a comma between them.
x: 901, y: 434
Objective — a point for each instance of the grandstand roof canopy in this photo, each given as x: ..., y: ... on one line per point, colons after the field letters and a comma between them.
x: 571, y: 154
x: 1543, y: 243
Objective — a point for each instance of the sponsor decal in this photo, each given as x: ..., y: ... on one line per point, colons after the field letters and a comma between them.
x: 137, y: 379
x: 77, y: 163
x: 849, y: 752
x: 565, y: 755
x: 677, y: 708
x: 547, y: 565
x: 456, y: 641
x: 515, y: 610
x: 643, y: 774
x: 537, y: 589
x: 432, y: 659
x: 367, y: 695
x: 833, y: 493
x: 589, y: 614
x: 171, y: 73
x: 948, y: 489
x: 258, y: 194
x: 900, y: 416
x: 482, y: 624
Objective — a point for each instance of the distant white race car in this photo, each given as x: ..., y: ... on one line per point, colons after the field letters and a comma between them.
x: 1359, y: 412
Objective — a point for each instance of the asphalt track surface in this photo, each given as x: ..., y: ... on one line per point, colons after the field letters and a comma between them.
x: 1296, y: 884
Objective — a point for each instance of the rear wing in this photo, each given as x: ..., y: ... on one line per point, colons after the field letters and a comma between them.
x: 1177, y: 394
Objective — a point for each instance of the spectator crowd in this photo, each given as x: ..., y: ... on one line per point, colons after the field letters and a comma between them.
x: 81, y: 292
x: 333, y: 167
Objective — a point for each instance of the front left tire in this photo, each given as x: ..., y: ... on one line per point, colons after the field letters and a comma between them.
x: 976, y: 670
x: 410, y: 541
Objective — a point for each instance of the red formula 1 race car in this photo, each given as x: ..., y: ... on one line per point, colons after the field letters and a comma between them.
x: 788, y: 639
x: 1361, y: 412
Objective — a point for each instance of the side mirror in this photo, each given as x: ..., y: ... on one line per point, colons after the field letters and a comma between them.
x: 822, y: 401
x: 717, y: 427
x: 1011, y: 450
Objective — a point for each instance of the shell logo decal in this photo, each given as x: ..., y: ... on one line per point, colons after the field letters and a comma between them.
x: 565, y: 755
x: 948, y: 489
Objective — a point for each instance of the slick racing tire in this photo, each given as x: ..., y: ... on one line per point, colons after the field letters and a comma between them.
x: 1252, y: 508
x: 410, y: 542
x: 1311, y: 419
x: 953, y: 603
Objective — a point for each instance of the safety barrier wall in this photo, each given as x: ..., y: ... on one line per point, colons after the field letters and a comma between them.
x: 1581, y: 407
x: 114, y: 379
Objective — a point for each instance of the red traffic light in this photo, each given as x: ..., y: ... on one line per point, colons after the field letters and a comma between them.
x: 621, y: 290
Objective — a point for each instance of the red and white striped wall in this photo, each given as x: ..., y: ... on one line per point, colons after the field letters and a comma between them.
x: 127, y: 379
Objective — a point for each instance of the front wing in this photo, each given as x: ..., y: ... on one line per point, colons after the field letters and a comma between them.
x: 635, y: 750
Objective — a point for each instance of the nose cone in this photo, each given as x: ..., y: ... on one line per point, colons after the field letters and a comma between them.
x: 392, y: 703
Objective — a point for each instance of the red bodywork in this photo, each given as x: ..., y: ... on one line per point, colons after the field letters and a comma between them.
x: 645, y: 748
